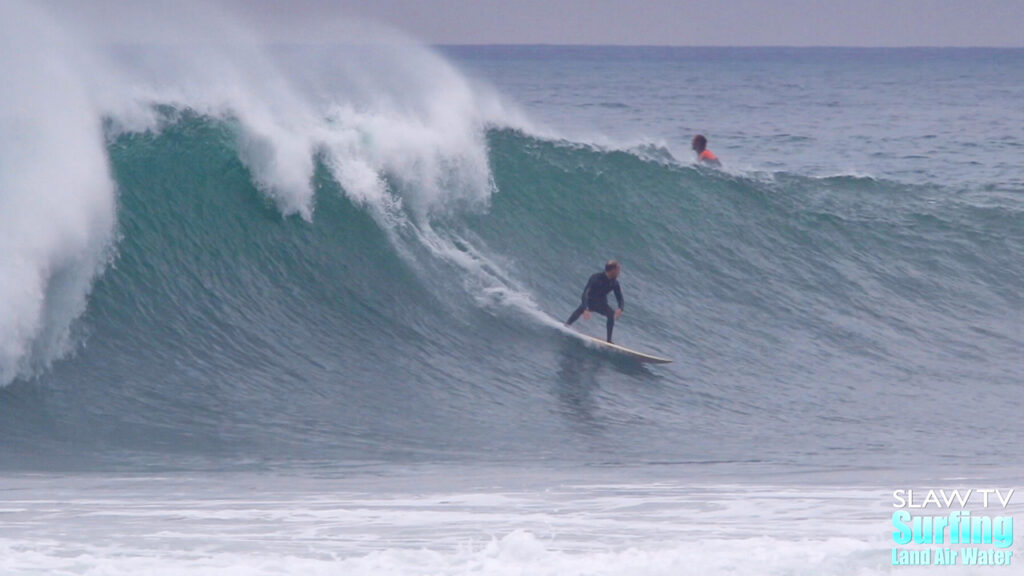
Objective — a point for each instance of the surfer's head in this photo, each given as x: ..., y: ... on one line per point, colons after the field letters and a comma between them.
x: 699, y: 143
x: 612, y: 269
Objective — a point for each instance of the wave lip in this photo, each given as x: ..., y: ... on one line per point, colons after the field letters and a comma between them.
x: 56, y: 192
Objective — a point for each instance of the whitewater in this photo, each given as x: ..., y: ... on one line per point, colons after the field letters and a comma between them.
x: 297, y: 309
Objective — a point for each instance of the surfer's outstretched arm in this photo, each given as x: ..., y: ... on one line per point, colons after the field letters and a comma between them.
x: 618, y: 296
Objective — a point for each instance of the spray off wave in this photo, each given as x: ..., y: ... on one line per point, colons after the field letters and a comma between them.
x: 398, y: 128
x: 56, y: 192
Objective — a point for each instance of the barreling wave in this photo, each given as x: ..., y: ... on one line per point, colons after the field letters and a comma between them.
x: 366, y: 261
x: 375, y: 329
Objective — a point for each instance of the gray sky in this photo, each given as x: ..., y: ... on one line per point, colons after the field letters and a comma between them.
x: 654, y: 22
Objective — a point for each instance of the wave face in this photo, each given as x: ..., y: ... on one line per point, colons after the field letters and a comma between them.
x: 801, y: 309
x: 242, y: 256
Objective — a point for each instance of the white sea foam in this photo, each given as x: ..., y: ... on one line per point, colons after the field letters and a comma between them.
x: 513, y: 554
x: 268, y: 525
x: 56, y: 194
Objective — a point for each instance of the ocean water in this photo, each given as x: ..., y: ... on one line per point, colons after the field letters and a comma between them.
x: 296, y: 309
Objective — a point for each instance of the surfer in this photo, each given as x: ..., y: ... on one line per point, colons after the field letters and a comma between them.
x: 595, y: 296
x: 705, y: 156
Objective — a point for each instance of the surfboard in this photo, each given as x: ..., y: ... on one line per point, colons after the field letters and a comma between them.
x: 638, y: 356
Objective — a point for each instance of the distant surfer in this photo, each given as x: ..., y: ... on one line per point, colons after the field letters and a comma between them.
x: 595, y: 296
x: 704, y: 156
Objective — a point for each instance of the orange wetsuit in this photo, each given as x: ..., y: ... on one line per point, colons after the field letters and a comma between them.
x: 708, y: 157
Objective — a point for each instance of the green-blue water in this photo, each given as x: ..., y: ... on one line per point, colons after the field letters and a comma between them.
x: 810, y: 318
x: 366, y: 265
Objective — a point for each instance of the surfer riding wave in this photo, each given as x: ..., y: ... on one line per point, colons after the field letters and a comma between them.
x: 595, y: 297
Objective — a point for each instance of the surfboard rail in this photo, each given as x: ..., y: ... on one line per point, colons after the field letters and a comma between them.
x: 639, y: 356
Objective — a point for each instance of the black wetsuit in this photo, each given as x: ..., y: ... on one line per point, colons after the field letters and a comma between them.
x: 595, y: 299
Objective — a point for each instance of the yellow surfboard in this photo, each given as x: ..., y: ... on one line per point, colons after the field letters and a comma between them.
x: 638, y: 356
